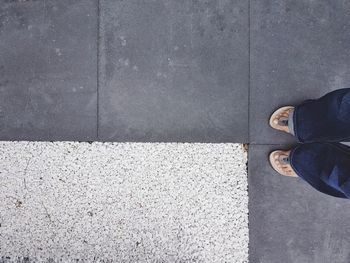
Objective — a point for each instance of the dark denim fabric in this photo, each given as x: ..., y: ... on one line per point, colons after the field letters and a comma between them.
x: 321, y: 160
x: 326, y: 119
x: 325, y: 166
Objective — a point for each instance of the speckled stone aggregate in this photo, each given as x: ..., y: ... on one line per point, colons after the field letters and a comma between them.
x: 123, y: 202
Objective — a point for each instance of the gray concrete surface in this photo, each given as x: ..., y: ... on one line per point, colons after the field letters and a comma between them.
x: 170, y: 71
x: 167, y: 71
x: 48, y: 56
x: 123, y: 202
x: 174, y: 71
x: 299, y: 50
x: 291, y: 222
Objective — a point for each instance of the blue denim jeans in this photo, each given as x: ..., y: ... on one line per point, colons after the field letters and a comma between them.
x: 322, y: 160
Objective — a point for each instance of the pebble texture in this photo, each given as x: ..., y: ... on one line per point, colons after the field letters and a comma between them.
x: 123, y: 202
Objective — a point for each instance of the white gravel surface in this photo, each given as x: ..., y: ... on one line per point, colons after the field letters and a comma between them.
x: 123, y: 202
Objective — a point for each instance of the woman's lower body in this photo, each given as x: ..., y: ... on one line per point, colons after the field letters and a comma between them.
x: 322, y: 127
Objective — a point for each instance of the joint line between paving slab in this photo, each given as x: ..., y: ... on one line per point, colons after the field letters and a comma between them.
x: 98, y: 72
x: 272, y: 144
x: 248, y: 72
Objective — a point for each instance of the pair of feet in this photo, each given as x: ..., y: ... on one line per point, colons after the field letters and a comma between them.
x: 279, y: 159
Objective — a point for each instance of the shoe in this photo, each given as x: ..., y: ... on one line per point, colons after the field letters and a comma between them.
x: 280, y: 162
x: 279, y: 119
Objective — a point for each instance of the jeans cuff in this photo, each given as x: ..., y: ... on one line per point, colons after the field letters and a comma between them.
x: 291, y: 122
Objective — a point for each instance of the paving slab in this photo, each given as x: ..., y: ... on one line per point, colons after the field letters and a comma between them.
x: 291, y: 222
x: 174, y: 71
x: 123, y: 202
x: 299, y: 50
x: 48, y: 72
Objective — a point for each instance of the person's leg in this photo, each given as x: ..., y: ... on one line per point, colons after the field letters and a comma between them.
x: 324, y: 166
x: 325, y: 119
